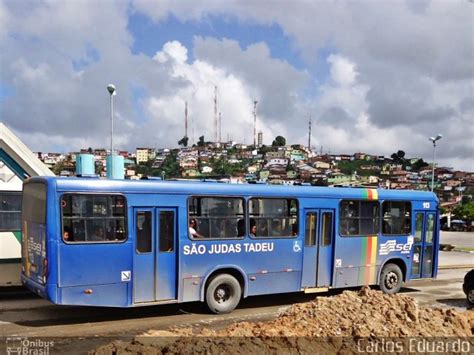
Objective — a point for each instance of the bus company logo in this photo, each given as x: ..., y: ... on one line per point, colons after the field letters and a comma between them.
x: 23, y: 345
x: 392, y: 246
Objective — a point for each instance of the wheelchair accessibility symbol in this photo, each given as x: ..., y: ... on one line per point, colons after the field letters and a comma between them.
x: 296, y: 246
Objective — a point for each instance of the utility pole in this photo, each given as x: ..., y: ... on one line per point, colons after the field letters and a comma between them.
x: 112, y: 92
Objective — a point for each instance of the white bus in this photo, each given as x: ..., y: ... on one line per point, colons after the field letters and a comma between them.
x: 10, y: 234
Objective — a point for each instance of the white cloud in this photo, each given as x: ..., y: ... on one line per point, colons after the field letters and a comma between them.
x: 235, y: 102
x: 342, y: 70
x: 396, y: 75
x: 173, y: 50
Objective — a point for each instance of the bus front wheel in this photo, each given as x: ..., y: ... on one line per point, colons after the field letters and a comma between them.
x: 391, y: 279
x: 223, y: 294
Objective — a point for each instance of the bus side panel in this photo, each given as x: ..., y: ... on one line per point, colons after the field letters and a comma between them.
x: 356, y: 261
x: 93, y: 264
x: 95, y: 274
x: 269, y: 266
x: 111, y: 295
x: 359, y: 259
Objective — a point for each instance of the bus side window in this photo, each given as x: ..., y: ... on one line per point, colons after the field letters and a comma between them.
x: 275, y: 217
x: 216, y: 217
x: 396, y: 218
x: 93, y: 218
x: 358, y: 217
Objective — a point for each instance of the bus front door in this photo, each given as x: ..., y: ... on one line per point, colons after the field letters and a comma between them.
x: 318, y: 248
x: 154, y: 269
x: 423, y: 247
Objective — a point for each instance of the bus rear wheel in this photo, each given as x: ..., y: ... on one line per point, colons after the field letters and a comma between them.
x: 391, y: 279
x: 223, y: 294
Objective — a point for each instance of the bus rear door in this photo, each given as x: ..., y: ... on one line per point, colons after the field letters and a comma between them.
x: 318, y: 249
x: 424, y: 244
x: 155, y: 262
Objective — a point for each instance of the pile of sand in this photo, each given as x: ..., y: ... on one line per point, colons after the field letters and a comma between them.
x: 337, y: 323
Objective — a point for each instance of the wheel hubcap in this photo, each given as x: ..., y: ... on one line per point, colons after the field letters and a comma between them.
x: 222, y: 293
x: 470, y: 296
x: 391, y: 280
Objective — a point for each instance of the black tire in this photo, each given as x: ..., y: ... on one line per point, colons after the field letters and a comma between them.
x: 391, y: 279
x: 470, y: 295
x: 223, y: 294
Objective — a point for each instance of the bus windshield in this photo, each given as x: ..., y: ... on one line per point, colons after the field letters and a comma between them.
x: 34, y: 231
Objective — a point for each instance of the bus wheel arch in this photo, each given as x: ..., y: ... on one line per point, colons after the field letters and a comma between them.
x: 392, y: 275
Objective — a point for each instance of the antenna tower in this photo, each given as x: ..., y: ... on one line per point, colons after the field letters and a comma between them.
x: 255, y: 123
x: 309, y: 133
x: 185, y: 118
x: 220, y: 127
x: 215, y: 113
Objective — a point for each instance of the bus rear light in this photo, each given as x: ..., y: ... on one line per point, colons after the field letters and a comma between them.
x: 88, y: 291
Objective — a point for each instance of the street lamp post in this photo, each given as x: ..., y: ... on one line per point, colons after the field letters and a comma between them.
x: 112, y: 92
x: 434, y: 139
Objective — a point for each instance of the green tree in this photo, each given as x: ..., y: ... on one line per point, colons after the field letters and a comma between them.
x: 279, y: 141
x: 465, y: 211
x: 398, y: 157
x: 420, y: 163
x: 201, y: 142
x: 264, y: 149
x: 183, y: 141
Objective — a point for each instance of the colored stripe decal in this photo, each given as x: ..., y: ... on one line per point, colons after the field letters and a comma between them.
x: 363, y: 261
x: 373, y: 275
x: 368, y: 265
x: 371, y: 194
x: 375, y: 194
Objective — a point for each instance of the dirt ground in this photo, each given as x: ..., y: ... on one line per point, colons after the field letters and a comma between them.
x: 332, y: 324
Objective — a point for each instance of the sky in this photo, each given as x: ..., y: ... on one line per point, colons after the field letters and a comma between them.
x: 374, y: 76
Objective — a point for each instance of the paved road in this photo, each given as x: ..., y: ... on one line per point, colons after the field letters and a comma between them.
x: 459, y: 239
x: 23, y: 314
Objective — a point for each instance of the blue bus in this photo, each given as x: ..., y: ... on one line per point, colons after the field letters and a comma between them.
x: 134, y: 243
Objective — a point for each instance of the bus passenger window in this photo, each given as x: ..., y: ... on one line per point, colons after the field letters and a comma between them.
x: 166, y: 231
x: 143, y: 232
x: 311, y: 229
x: 93, y: 218
x: 326, y: 230
x: 10, y: 211
x: 396, y: 218
x: 216, y: 217
x: 358, y: 218
x: 274, y: 217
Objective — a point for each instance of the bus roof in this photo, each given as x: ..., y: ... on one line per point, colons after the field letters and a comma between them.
x: 212, y: 188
